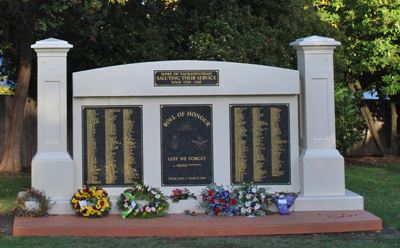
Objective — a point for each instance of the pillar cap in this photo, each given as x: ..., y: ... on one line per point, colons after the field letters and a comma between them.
x: 51, y: 43
x: 315, y: 41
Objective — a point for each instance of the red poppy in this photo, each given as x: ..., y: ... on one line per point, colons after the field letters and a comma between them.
x: 217, y: 210
x: 101, y: 203
x: 233, y: 201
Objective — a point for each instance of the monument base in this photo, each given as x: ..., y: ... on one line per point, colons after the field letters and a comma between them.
x: 200, y: 225
x: 323, y: 172
x: 52, y: 173
x: 349, y: 201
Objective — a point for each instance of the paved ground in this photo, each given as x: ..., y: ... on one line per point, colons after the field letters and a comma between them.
x: 6, y: 222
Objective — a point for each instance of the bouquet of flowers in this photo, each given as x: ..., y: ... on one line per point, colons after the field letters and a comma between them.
x: 181, y: 194
x: 91, y: 202
x: 253, y: 201
x: 284, y: 201
x: 218, y: 201
x: 142, y: 201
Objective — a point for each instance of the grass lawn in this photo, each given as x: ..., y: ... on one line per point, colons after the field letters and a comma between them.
x: 380, y: 186
x: 9, y: 187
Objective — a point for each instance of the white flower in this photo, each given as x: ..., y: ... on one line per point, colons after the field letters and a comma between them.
x: 257, y: 207
x: 153, y: 192
x: 137, y: 210
x: 249, y: 210
x: 148, y: 209
x: 243, y: 210
x: 153, y: 209
x: 249, y: 196
x: 247, y: 204
x: 158, y: 196
x: 253, y: 190
x: 126, y: 205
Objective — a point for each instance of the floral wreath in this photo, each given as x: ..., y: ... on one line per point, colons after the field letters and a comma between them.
x: 36, y: 196
x: 253, y: 201
x: 91, y: 202
x: 218, y: 201
x: 142, y: 201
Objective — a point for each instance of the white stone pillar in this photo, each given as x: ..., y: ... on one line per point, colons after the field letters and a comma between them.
x: 52, y: 166
x: 321, y: 165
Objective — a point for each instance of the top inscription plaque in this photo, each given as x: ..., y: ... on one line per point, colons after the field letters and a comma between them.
x: 186, y: 78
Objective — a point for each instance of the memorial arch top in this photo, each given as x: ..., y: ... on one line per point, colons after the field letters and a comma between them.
x: 174, y: 78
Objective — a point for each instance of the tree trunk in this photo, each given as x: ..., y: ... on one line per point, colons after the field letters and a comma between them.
x: 369, y: 119
x: 394, y: 143
x: 5, y: 109
x: 11, y: 160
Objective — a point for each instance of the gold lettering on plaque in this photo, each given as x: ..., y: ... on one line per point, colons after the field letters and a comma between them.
x: 130, y: 171
x: 258, y: 146
x: 240, y: 145
x: 91, y: 123
x: 276, y: 143
x: 111, y: 145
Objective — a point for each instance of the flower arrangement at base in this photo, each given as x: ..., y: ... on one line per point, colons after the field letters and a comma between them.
x: 33, y: 203
x: 181, y: 194
x: 218, y: 201
x: 283, y: 201
x: 91, y: 202
x: 142, y: 201
x: 252, y: 201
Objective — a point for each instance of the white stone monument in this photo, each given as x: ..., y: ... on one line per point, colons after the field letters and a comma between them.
x: 296, y: 103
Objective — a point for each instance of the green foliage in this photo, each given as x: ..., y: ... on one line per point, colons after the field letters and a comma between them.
x: 6, y: 87
x: 349, y: 123
x: 370, y: 35
x: 6, y: 90
x: 111, y: 32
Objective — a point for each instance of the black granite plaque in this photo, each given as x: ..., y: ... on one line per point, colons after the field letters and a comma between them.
x: 112, y: 145
x: 186, y: 145
x: 186, y: 78
x: 260, y: 143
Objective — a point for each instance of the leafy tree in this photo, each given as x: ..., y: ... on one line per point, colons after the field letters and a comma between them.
x: 109, y: 32
x: 17, y: 22
x: 370, y: 35
x: 349, y: 123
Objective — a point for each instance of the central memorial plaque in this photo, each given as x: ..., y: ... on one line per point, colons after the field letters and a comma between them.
x: 186, y: 145
x: 260, y: 144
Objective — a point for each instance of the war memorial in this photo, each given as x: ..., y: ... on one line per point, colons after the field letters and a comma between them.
x: 188, y: 124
